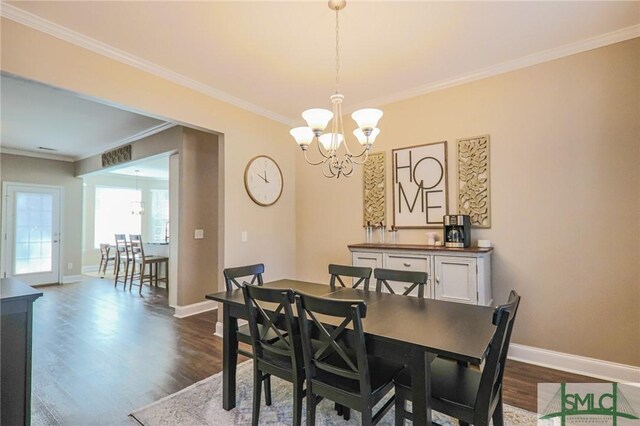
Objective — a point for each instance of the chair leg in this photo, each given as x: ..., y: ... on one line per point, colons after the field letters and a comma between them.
x: 346, y: 413
x: 142, y: 268
x: 400, y: 407
x: 257, y: 378
x: 311, y: 408
x: 116, y: 272
x: 338, y: 408
x: 367, y: 417
x: 298, y: 394
x: 100, y: 267
x: 267, y: 390
x: 498, y: 414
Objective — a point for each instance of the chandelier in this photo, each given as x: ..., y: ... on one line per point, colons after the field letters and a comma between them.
x: 334, y: 162
x: 137, y: 207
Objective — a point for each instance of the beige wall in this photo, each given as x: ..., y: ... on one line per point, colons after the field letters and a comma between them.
x: 565, y: 171
x: 37, y: 56
x: 198, y: 259
x: 17, y: 168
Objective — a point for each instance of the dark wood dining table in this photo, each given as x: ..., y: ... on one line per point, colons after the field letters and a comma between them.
x: 408, y: 330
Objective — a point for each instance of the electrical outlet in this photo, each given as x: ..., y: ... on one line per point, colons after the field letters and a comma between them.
x: 244, y: 236
x: 198, y: 234
x: 69, y: 266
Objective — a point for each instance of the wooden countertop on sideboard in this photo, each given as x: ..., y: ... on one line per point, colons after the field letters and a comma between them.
x: 418, y: 247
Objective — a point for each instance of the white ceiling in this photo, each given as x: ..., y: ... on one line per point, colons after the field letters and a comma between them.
x: 154, y: 168
x: 35, y: 115
x: 279, y: 56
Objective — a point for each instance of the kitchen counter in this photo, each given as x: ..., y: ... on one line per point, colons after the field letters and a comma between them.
x: 418, y: 247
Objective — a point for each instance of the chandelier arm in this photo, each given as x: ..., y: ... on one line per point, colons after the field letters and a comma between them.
x: 348, y: 165
x: 329, y: 168
x: 364, y: 155
x: 313, y: 163
x: 325, y: 156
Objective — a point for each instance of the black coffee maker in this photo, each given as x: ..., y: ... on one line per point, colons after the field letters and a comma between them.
x: 457, y: 230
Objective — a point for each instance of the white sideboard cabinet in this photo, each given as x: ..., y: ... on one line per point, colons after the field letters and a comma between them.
x: 460, y: 275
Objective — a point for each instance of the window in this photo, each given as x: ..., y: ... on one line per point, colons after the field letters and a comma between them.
x: 159, y: 214
x: 113, y: 214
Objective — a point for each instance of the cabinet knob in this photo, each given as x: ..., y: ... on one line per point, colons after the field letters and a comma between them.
x: 407, y: 264
x: 437, y: 280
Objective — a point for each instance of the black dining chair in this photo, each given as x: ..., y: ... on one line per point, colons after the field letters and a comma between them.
x: 471, y: 396
x: 339, y: 368
x: 338, y: 271
x: 281, y: 357
x: 414, y: 278
x: 253, y: 273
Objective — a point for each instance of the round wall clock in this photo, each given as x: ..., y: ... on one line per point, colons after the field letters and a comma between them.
x: 263, y: 180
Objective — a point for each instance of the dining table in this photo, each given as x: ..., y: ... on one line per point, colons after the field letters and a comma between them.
x: 403, y: 329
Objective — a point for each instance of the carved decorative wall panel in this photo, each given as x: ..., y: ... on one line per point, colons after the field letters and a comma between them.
x: 374, y: 189
x: 116, y: 156
x: 474, y: 190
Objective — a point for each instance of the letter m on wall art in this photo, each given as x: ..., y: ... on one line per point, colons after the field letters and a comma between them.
x: 420, y: 197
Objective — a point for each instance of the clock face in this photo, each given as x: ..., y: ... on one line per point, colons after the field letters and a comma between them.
x: 263, y: 180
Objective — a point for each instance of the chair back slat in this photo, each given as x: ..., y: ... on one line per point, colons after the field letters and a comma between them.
x: 339, y: 271
x: 415, y: 278
x: 231, y: 275
x: 491, y: 379
x: 341, y: 354
x: 260, y: 303
x: 122, y: 247
x: 137, y: 249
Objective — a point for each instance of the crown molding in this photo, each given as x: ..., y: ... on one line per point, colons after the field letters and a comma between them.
x: 35, y: 154
x: 516, y: 64
x: 141, y: 135
x: 43, y: 25
x: 36, y: 22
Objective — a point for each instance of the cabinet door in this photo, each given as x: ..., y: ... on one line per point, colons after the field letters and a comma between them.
x: 367, y: 259
x: 407, y: 262
x: 456, y: 279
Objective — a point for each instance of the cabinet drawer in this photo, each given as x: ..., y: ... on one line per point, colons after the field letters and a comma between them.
x: 367, y: 259
x: 407, y: 262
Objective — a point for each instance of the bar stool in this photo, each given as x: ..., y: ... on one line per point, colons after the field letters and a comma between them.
x: 139, y: 258
x: 123, y: 257
x: 105, y: 257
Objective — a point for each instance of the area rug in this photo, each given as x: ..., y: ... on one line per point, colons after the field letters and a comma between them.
x: 201, y: 404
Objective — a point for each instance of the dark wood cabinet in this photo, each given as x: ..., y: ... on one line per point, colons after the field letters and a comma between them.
x: 16, y: 316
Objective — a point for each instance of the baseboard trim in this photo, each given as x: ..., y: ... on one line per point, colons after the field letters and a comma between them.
x: 600, y: 369
x: 219, y: 327
x: 195, y: 308
x: 68, y: 279
x: 90, y: 268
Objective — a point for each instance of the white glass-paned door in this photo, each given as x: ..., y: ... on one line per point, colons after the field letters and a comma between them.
x: 33, y: 234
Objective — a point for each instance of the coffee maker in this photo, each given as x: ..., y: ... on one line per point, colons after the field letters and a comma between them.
x: 457, y: 230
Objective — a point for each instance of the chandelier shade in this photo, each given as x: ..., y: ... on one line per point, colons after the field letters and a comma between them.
x: 336, y: 159
x: 317, y: 119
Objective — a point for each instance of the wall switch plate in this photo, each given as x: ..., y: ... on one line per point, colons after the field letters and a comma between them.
x: 198, y: 234
x: 244, y: 236
x: 69, y: 265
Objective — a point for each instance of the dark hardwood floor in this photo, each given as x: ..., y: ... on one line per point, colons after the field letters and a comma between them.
x: 100, y: 353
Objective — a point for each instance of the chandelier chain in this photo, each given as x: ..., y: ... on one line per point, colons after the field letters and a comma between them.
x: 337, y: 52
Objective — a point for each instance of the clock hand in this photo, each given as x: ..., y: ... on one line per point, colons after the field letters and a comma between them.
x: 261, y: 177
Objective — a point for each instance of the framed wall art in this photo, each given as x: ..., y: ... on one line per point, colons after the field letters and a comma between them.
x: 420, y: 197
x: 474, y: 190
x: 373, y: 177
